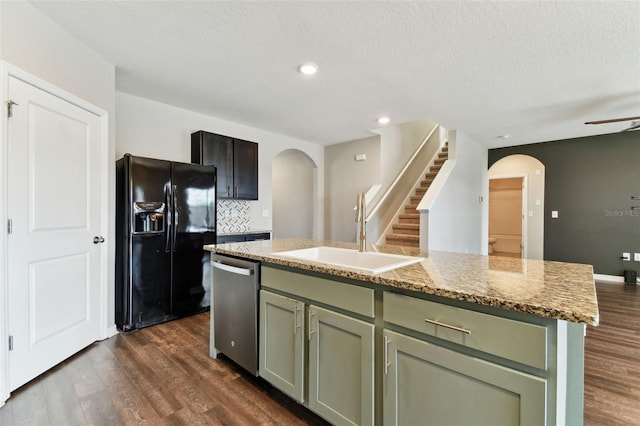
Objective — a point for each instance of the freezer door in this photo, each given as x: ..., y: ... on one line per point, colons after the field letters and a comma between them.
x: 143, y: 256
x: 194, y: 219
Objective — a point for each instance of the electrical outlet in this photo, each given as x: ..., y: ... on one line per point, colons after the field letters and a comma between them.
x: 626, y: 256
x: 636, y: 257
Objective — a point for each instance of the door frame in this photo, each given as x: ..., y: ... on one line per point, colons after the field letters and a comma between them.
x: 525, y: 212
x: 8, y: 70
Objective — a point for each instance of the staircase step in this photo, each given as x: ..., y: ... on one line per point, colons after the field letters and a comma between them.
x: 421, y: 190
x: 415, y: 200
x: 440, y: 161
x: 411, y: 208
x: 406, y: 228
x: 426, y: 183
x: 409, y: 218
x: 403, y: 240
x: 431, y: 175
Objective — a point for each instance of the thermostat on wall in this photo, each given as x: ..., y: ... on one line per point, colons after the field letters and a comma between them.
x: 361, y: 157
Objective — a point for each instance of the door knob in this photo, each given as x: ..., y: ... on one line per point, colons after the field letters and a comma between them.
x: 98, y: 240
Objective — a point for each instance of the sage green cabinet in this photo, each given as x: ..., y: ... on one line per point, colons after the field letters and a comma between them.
x: 337, y: 379
x: 341, y: 385
x: 281, y: 343
x: 427, y: 384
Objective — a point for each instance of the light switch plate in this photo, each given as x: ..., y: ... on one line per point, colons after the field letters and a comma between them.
x: 554, y: 214
x: 636, y: 257
x: 626, y: 256
x: 265, y: 212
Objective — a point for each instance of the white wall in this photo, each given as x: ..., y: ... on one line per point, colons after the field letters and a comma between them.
x: 345, y: 177
x: 294, y: 209
x: 457, y: 219
x: 397, y: 144
x: 32, y: 42
x: 534, y: 171
x: 152, y: 129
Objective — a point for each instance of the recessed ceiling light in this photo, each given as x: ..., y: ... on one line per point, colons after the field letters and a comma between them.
x: 383, y: 120
x: 505, y: 136
x: 308, y: 68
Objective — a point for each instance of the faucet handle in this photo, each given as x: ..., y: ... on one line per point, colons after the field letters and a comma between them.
x: 359, y: 206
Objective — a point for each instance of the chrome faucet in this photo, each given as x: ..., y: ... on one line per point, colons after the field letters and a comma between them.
x: 361, y: 218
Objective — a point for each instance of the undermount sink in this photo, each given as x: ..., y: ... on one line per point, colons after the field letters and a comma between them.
x: 373, y: 262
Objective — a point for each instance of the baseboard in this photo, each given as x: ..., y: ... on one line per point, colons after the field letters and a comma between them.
x: 608, y: 279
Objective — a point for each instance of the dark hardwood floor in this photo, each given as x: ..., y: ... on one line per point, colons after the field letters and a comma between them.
x: 612, y: 358
x: 163, y: 375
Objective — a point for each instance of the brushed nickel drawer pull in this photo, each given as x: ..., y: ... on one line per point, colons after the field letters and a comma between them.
x: 452, y: 327
x: 311, y: 315
x: 386, y: 355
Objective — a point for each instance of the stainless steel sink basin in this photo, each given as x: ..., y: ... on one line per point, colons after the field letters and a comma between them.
x: 373, y: 262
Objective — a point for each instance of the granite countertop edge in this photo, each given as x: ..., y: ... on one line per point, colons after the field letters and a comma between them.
x: 403, y: 278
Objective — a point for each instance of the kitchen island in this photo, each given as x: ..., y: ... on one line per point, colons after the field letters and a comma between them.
x: 451, y: 339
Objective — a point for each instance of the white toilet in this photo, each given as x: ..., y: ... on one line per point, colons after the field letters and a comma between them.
x: 492, y: 241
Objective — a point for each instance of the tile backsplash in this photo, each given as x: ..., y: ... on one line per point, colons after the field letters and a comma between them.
x: 233, y: 216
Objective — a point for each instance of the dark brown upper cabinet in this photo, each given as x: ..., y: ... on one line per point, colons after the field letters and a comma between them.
x: 236, y: 161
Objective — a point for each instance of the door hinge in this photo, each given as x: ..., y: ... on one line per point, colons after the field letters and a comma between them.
x: 10, y: 105
x: 9, y: 226
x: 10, y: 343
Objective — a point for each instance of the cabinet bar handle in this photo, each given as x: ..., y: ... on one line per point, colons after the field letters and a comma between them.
x: 386, y: 355
x: 311, y: 314
x: 452, y: 327
x: 295, y: 320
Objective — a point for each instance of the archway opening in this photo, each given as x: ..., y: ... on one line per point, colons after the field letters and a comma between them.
x: 516, y: 202
x: 294, y: 182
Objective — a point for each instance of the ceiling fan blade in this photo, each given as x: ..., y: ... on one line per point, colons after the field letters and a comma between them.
x: 612, y: 120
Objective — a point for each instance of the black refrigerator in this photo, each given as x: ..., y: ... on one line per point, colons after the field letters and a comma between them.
x: 165, y: 213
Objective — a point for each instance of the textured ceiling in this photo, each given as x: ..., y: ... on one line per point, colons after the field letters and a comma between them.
x: 535, y: 70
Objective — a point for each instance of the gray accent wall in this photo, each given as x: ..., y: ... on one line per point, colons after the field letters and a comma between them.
x: 589, y: 182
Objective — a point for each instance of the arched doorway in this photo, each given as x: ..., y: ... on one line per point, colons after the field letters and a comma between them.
x: 294, y: 181
x: 516, y: 187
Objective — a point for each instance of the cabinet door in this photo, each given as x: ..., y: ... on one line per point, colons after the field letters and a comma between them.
x: 211, y: 149
x: 282, y: 343
x: 245, y: 169
x: 429, y: 385
x: 341, y: 384
x: 219, y: 151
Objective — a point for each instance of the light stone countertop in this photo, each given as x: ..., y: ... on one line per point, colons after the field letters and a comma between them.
x: 549, y: 289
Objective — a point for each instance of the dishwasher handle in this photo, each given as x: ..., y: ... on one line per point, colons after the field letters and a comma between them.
x: 232, y: 269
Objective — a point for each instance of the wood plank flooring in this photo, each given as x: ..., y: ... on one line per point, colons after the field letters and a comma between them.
x: 612, y: 358
x: 163, y: 375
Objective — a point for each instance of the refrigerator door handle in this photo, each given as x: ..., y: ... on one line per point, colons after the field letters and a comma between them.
x: 169, y: 216
x: 176, y: 217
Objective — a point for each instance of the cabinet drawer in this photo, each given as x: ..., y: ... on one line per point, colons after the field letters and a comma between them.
x: 514, y: 340
x: 340, y: 295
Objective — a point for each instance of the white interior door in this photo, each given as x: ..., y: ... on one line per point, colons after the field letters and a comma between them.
x: 55, y: 206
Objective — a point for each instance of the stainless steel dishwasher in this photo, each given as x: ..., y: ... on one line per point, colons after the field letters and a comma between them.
x: 234, y: 310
